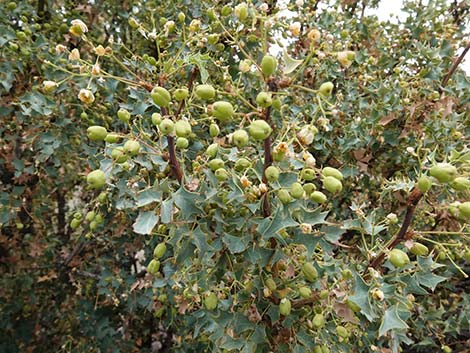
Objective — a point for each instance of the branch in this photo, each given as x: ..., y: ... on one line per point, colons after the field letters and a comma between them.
x: 454, y: 67
x: 412, y: 202
x: 308, y: 301
x: 268, y: 157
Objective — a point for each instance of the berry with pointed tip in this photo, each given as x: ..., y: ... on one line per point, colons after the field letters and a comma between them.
x: 305, y: 292
x: 112, y: 137
x: 159, y: 251
x: 419, y: 249
x: 318, y: 197
x: 214, y: 130
x: 296, y: 190
x: 460, y: 184
x: 156, y: 119
x: 212, y: 150
x: 464, y: 209
x: 153, y: 267
x: 284, y: 196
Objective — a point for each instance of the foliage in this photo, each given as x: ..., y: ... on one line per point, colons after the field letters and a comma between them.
x: 227, y: 196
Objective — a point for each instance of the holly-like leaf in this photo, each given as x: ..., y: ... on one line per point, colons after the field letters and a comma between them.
x: 145, y: 222
x: 361, y: 298
x: 391, y: 321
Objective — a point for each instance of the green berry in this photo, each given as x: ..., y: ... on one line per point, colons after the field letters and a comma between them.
x: 326, y: 89
x: 161, y: 96
x: 96, y: 179
x: 424, y: 183
x: 214, y: 130
x: 284, y: 196
x: 205, y: 92
x: 182, y: 128
x: 242, y: 164
x: 443, y: 172
x: 307, y: 174
x: 112, y: 137
x: 419, y: 249
x: 285, y: 307
x: 97, y: 133
x: 305, y: 292
x: 222, y: 111
x: 212, y: 150
x: 309, y: 272
x: 240, y: 138
x: 153, y: 267
x: 260, y: 130
x: 166, y: 126
x: 264, y: 99
x: 272, y: 173
x: 181, y: 93
x: 309, y: 188
x: 297, y: 191
x: 216, y: 163
x: 318, y: 197
x: 268, y: 65
x: 159, y: 251
x: 210, y: 301
x: 221, y: 174
x: 398, y: 258
x: 124, y: 116
x: 182, y: 143
x: 332, y: 184
x: 132, y: 147
x: 335, y: 173
x: 156, y: 119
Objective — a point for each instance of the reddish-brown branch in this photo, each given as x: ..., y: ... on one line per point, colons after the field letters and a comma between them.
x: 308, y: 301
x: 454, y: 67
x: 412, y: 202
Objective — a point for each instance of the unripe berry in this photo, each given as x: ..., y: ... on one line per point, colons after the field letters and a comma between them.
x: 182, y: 128
x: 205, y: 92
x: 443, y: 172
x: 332, y: 184
x: 284, y: 196
x: 166, y: 126
x: 398, y: 258
x: 326, y: 89
x: 182, y: 143
x: 97, y: 133
x: 161, y: 96
x: 240, y: 138
x: 268, y: 65
x: 132, y: 147
x: 285, y: 307
x: 223, y: 111
x: 260, y: 130
x: 335, y: 173
x: 272, y: 173
x: 96, y: 179
x: 214, y: 130
x: 296, y: 190
x: 424, y: 184
x: 212, y: 150
x: 216, y: 163
x: 264, y: 99
x: 181, y: 93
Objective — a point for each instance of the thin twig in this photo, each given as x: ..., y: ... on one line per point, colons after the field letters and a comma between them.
x: 454, y: 67
x: 412, y: 202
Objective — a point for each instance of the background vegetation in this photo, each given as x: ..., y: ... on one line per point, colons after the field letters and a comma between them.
x: 384, y: 104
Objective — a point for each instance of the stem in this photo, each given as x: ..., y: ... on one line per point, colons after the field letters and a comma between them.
x: 413, y: 200
x: 308, y: 301
x: 454, y: 67
x: 268, y: 157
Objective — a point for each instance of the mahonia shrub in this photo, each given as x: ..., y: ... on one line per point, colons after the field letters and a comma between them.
x: 298, y: 178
